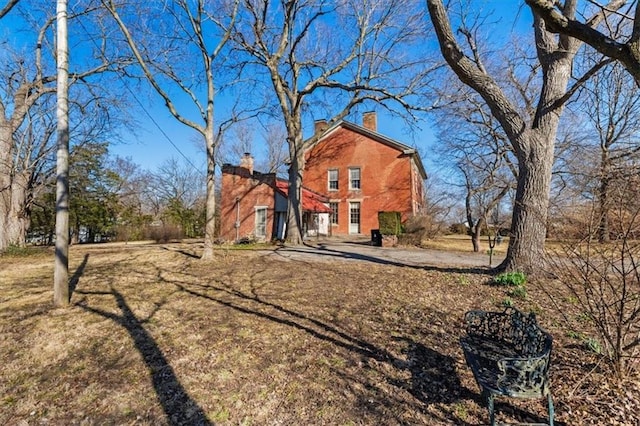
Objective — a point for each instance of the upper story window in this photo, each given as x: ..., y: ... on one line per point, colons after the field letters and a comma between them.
x: 333, y: 179
x: 354, y: 178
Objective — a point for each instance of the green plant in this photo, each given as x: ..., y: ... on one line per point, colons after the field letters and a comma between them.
x: 519, y: 291
x: 507, y: 302
x: 510, y: 279
x: 593, y: 345
x: 464, y: 281
x: 18, y: 251
x: 390, y: 223
x: 573, y: 300
x: 575, y: 335
x: 461, y: 411
x: 584, y: 317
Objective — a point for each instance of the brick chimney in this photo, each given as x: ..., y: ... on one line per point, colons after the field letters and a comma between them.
x: 320, y: 126
x: 247, y: 162
x: 370, y: 121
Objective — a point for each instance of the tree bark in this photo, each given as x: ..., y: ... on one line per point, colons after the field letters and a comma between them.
x: 294, y: 204
x: 603, y: 197
x: 475, y: 236
x: 533, y: 143
x: 529, y: 220
x: 210, y: 202
x: 627, y: 52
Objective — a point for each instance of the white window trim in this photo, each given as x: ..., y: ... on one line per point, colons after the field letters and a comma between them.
x: 359, y: 169
x: 266, y: 220
x: 336, y: 180
x: 359, y: 201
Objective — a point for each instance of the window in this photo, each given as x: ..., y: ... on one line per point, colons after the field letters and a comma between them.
x: 354, y: 178
x: 333, y: 180
x: 334, y: 212
x: 261, y: 222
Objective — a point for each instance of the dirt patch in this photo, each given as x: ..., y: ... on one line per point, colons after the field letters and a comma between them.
x: 156, y: 336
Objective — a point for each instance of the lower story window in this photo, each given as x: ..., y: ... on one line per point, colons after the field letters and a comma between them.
x: 334, y: 212
x: 261, y: 222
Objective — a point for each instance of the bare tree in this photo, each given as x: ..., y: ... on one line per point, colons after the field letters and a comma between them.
x: 335, y: 55
x: 618, y: 38
x: 28, y: 84
x: 613, y: 108
x: 237, y: 141
x: 275, y: 142
x: 7, y: 7
x: 472, y: 144
x: 186, y: 36
x: 532, y: 138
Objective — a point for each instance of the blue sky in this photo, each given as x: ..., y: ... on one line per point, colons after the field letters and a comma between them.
x: 151, y: 147
x: 163, y: 137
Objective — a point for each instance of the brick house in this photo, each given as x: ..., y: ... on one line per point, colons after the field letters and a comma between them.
x: 362, y: 172
x: 352, y: 173
x: 254, y: 205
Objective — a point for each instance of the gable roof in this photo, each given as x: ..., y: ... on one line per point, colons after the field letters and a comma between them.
x: 405, y: 149
x: 311, y: 201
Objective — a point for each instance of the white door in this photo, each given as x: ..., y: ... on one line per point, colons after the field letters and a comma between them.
x: 323, y: 223
x: 354, y: 217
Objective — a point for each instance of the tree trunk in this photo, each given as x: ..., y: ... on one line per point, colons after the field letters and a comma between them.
x: 475, y: 240
x: 210, y: 202
x: 603, y: 198
x: 5, y: 183
x: 294, y: 204
x: 476, y: 233
x: 533, y: 144
x: 529, y: 220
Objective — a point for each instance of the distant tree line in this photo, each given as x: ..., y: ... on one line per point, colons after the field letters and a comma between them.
x: 112, y: 199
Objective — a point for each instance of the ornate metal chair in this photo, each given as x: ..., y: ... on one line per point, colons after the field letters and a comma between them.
x: 509, y: 355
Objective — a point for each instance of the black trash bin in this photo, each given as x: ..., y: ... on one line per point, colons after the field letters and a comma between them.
x: 376, y: 238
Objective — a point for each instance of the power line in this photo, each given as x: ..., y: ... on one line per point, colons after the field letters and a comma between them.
x: 135, y: 97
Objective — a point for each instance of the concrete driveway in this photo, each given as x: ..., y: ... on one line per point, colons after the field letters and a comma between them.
x: 331, y: 250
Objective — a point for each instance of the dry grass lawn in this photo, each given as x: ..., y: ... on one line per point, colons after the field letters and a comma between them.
x: 156, y: 336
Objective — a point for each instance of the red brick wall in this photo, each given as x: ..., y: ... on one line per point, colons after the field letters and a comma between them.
x: 250, y: 191
x: 386, y: 177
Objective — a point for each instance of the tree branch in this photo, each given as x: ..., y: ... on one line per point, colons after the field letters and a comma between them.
x: 627, y: 53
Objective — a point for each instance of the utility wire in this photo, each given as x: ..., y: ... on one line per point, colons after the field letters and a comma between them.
x: 139, y: 102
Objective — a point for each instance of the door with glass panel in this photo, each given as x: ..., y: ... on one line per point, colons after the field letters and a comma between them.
x: 354, y: 217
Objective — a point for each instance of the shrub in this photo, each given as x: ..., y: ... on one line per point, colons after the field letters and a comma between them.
x: 390, y: 223
x: 459, y: 228
x: 519, y: 291
x: 18, y: 251
x: 603, y: 280
x: 419, y: 228
x: 510, y: 279
x: 165, y: 233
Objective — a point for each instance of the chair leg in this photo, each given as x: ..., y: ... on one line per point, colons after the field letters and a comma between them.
x: 551, y: 410
x: 488, y: 396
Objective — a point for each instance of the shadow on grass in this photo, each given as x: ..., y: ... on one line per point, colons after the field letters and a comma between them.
x: 323, y: 250
x: 433, y: 375
x: 183, y: 252
x: 75, y: 278
x: 178, y: 406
